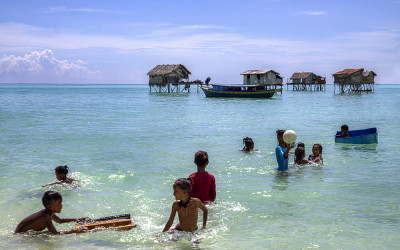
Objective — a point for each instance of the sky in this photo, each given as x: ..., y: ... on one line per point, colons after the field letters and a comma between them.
x: 120, y: 41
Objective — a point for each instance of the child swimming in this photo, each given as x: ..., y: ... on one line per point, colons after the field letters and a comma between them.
x: 186, y: 207
x: 52, y: 202
x: 299, y: 156
x: 316, y: 156
x: 202, y: 182
x: 61, y: 175
x: 248, y: 144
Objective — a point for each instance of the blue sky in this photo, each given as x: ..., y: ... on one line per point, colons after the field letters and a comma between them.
x: 119, y: 41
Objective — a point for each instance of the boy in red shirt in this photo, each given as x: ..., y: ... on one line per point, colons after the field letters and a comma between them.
x: 202, y: 182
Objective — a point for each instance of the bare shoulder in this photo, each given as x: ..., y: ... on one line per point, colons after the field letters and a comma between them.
x: 175, y: 204
x: 197, y: 201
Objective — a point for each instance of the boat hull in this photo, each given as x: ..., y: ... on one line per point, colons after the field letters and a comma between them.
x: 362, y: 136
x: 239, y: 94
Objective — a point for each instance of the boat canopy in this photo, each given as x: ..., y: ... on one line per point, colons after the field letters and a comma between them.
x: 234, y: 87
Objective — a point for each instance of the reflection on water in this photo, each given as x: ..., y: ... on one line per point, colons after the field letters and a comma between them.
x: 359, y: 147
x: 281, y: 181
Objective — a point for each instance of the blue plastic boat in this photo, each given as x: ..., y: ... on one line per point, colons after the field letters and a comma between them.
x: 362, y: 136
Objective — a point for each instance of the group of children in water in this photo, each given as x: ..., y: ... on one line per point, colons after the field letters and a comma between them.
x: 191, y: 193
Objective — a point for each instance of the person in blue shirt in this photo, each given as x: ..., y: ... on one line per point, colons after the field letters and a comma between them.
x: 282, y: 152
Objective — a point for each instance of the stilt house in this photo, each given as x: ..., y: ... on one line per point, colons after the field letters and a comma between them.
x: 270, y: 78
x: 169, y: 78
x: 354, y: 80
x: 307, y: 81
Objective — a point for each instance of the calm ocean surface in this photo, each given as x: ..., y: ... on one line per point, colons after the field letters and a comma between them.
x: 128, y: 146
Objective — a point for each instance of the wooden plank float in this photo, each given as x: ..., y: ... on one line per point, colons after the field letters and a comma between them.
x: 122, y: 222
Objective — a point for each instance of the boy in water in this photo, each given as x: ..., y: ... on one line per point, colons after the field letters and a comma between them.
x: 52, y: 201
x: 61, y: 175
x: 282, y: 152
x: 344, y: 129
x: 202, y: 182
x: 186, y: 207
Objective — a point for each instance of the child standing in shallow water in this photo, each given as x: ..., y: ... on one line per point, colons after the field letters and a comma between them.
x: 300, y: 153
x: 186, y: 207
x: 248, y: 144
x: 202, y: 182
x: 316, y: 156
x: 282, y: 152
x: 61, y: 175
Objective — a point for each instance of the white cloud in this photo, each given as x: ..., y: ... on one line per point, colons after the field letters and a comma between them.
x: 43, y: 67
x: 314, y: 13
x: 373, y: 49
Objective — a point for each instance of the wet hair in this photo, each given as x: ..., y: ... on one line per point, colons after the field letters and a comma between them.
x: 248, y: 143
x: 319, y: 147
x: 280, y: 132
x: 345, y: 127
x: 183, y: 183
x: 62, y: 169
x: 300, y: 144
x: 201, y: 158
x: 299, y: 154
x: 49, y: 197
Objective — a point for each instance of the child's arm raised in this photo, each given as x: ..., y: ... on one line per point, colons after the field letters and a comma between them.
x: 171, y: 217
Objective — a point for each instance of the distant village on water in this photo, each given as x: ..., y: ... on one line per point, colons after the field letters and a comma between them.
x: 174, y: 78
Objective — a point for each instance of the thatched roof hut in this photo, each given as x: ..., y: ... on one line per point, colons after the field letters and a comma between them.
x: 168, y: 73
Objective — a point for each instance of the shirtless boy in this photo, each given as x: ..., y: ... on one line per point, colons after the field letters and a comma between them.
x: 186, y: 207
x: 52, y: 201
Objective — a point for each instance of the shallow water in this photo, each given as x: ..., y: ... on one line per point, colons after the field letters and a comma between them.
x: 127, y: 147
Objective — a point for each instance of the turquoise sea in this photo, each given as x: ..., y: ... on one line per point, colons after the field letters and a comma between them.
x: 127, y: 146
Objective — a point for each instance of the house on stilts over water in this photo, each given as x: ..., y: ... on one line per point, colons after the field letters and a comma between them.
x: 354, y: 81
x: 169, y: 78
x: 269, y: 79
x: 306, y: 81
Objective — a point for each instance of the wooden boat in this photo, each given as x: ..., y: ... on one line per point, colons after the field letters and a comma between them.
x: 238, y: 90
x: 362, y: 136
x: 119, y: 222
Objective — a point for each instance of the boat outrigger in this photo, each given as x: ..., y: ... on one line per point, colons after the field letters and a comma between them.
x: 239, y: 90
